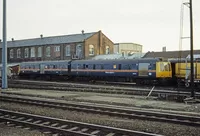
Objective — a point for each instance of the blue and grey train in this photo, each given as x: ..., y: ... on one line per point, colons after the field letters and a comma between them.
x: 142, y: 71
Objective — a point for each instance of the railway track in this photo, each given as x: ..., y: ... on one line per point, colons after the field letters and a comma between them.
x: 109, y: 110
x: 63, y: 127
x: 29, y: 84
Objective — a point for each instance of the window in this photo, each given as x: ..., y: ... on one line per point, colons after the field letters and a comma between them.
x: 39, y: 51
x: 11, y: 53
x: 48, y: 51
x: 67, y: 50
x: 26, y: 53
x: 32, y: 52
x: 91, y: 49
x: 18, y: 53
x: 107, y: 50
x: 94, y: 67
x: 79, y: 50
x: 57, y: 48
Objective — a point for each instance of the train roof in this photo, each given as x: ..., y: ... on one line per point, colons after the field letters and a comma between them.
x: 118, y: 60
x: 35, y: 62
x: 10, y: 65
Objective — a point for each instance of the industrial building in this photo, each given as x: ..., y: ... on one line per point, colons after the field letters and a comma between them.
x: 127, y: 49
x: 65, y: 47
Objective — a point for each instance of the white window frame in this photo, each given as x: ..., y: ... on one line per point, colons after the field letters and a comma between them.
x: 91, y: 50
x: 39, y: 51
x: 48, y: 51
x: 18, y: 53
x: 68, y: 50
x: 11, y: 53
x: 32, y: 52
x: 26, y: 53
x: 107, y: 50
x: 78, y: 49
x: 57, y: 48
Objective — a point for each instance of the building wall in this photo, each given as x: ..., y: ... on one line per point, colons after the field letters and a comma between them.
x: 126, y: 48
x: 98, y: 40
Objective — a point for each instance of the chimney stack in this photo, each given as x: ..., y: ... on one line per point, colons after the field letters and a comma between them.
x: 164, y: 49
x: 0, y: 40
x: 12, y: 39
x: 41, y: 36
x: 82, y: 31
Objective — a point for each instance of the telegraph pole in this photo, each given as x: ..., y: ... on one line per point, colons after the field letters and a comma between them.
x: 4, y: 50
x: 191, y: 51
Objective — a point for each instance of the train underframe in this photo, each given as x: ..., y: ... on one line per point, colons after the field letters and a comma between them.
x: 137, y: 81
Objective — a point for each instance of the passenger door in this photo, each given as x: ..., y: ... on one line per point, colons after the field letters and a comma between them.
x: 143, y: 69
x: 42, y: 66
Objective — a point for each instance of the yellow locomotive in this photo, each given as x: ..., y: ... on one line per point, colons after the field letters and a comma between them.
x: 181, y: 71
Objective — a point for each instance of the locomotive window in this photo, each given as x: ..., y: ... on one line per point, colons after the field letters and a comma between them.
x: 94, y: 66
x: 166, y: 67
x: 162, y: 68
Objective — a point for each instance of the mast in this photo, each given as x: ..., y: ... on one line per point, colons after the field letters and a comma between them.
x: 191, y: 51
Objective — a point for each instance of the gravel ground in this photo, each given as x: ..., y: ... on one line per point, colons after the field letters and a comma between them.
x: 140, y: 125
x: 114, y: 99
x: 13, y: 131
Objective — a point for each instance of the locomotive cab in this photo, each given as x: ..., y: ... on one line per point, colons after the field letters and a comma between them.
x: 163, y: 70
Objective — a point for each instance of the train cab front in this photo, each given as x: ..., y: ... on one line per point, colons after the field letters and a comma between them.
x: 163, y: 72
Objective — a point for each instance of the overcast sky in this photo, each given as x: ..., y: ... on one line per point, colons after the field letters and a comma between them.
x: 152, y: 23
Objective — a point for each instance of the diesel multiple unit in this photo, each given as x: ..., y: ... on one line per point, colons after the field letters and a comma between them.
x: 140, y: 71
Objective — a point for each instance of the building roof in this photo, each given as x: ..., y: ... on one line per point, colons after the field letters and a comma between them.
x: 170, y: 54
x: 49, y: 40
x: 128, y: 43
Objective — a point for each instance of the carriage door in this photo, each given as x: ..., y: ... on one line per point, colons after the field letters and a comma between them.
x: 42, y: 68
x: 143, y: 69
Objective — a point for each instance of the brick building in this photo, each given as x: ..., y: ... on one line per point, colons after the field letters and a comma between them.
x: 66, y: 47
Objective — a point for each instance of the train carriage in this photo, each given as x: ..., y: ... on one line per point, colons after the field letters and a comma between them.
x: 138, y: 70
x: 182, y: 71
x: 44, y: 69
x: 12, y: 70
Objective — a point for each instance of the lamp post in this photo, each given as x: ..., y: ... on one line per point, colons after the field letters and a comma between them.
x: 191, y: 51
x: 4, y: 50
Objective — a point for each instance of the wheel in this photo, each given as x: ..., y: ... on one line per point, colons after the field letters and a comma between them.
x: 187, y: 84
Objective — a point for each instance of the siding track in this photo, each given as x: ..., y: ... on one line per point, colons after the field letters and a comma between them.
x: 110, y: 110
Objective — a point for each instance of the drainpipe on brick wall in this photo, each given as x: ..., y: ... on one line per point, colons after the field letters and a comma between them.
x: 100, y: 42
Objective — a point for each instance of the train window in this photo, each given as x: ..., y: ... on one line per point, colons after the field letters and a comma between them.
x: 54, y: 66
x: 126, y: 66
x: 114, y: 66
x: 120, y: 66
x: 86, y: 66
x: 33, y: 66
x: 102, y: 66
x: 153, y: 66
x: 166, y: 67
x: 94, y: 66
x: 134, y: 66
x: 83, y: 66
x: 162, y: 68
